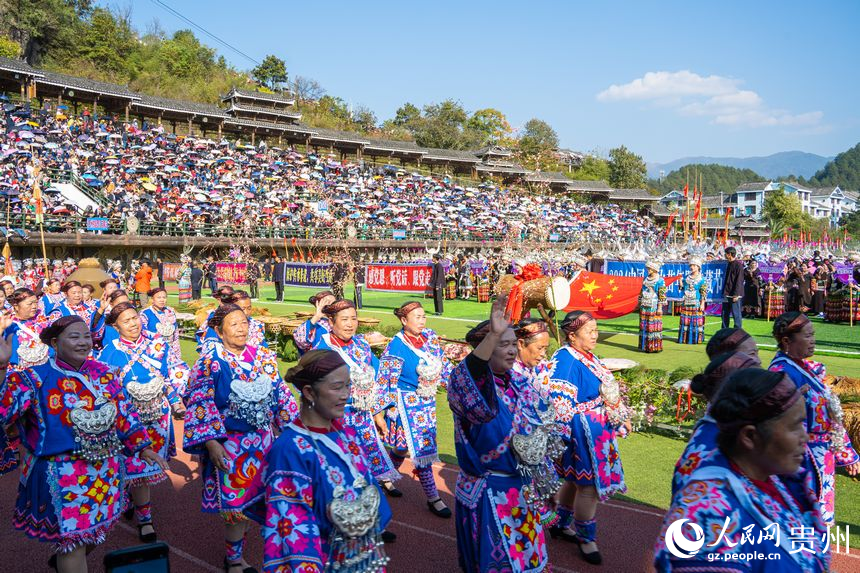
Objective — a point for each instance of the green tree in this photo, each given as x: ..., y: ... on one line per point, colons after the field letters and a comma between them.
x: 783, y: 210
x: 489, y: 126
x: 9, y: 48
x: 715, y: 179
x: 183, y: 56
x: 442, y: 125
x: 592, y: 169
x: 537, y: 137
x: 271, y: 72
x: 626, y: 169
x: 843, y: 171
x: 364, y: 119
x: 43, y: 25
x: 851, y: 223
x: 108, y: 42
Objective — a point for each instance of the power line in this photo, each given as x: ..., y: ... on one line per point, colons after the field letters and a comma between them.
x: 205, y: 31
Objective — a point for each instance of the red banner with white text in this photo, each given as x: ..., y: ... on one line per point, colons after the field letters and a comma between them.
x: 398, y: 278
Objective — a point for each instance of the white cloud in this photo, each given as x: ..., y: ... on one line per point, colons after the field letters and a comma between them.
x: 718, y: 98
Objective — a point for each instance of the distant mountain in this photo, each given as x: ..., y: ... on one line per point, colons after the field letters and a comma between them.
x: 797, y: 163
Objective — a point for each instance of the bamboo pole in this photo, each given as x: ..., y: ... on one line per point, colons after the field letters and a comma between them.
x: 769, y: 298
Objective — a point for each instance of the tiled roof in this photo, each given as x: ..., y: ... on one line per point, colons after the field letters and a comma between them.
x: 182, y: 106
x: 291, y: 127
x: 19, y: 66
x: 334, y: 135
x: 757, y: 186
x: 575, y: 185
x: 632, y: 195
x: 94, y: 86
x: 494, y: 150
x: 244, y: 107
x: 511, y: 170
x: 546, y: 177
x: 253, y: 94
x: 393, y: 146
x: 433, y: 154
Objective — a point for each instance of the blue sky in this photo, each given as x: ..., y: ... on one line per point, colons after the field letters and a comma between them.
x: 666, y: 79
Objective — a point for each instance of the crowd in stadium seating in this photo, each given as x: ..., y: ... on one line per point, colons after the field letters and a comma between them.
x: 144, y: 171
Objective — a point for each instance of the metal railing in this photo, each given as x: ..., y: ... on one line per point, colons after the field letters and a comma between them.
x: 67, y: 176
x: 78, y: 224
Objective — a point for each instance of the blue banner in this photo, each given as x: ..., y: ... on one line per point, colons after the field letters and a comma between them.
x: 97, y: 224
x: 398, y: 234
x: 308, y: 275
x: 714, y: 273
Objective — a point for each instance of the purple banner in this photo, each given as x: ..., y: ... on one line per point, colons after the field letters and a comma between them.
x: 844, y: 273
x: 771, y: 272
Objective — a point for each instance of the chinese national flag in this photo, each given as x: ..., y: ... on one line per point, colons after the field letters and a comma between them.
x: 606, y: 296
x: 698, y: 205
x: 686, y: 189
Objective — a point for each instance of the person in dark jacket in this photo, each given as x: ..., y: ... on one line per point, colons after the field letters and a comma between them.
x: 358, y: 279
x: 752, y: 290
x: 196, y: 281
x: 252, y: 275
x: 212, y: 275
x: 437, y: 283
x: 278, y: 275
x: 733, y: 289
x: 267, y: 270
x: 159, y: 268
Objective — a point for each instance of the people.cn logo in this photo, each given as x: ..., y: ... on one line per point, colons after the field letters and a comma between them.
x: 678, y: 544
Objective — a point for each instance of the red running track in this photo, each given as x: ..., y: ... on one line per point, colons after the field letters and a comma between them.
x: 425, y: 543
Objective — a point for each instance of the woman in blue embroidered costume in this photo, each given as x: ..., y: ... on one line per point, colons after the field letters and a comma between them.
x: 412, y: 368
x: 651, y: 301
x: 76, y: 426
x: 501, y: 435
x: 751, y: 498
x: 27, y: 324
x: 322, y: 510
x: 531, y: 368
x: 309, y: 333
x: 367, y: 398
x: 235, y: 399
x: 691, y: 328
x: 155, y: 382
x: 829, y: 444
x: 184, y: 279
x: 27, y: 350
x: 256, y: 329
x: 51, y: 297
x: 72, y: 304
x: 702, y: 446
x: 589, y: 405
x: 158, y: 318
x: 204, y: 330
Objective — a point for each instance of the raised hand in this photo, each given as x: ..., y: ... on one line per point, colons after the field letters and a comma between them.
x: 500, y: 319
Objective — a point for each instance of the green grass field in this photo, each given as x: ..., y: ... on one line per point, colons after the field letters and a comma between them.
x: 648, y: 458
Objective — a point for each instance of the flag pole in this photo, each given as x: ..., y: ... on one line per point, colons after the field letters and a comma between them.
x: 687, y: 205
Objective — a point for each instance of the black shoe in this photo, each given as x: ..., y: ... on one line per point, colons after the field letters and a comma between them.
x: 129, y: 512
x: 445, y: 512
x: 388, y: 537
x: 148, y: 537
x: 563, y: 533
x: 593, y: 558
x: 52, y: 562
x: 390, y: 490
x: 232, y: 567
